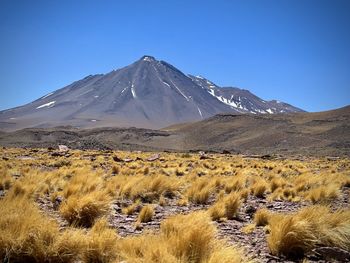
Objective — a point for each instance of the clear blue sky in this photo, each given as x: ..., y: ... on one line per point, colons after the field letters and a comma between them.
x: 297, y: 51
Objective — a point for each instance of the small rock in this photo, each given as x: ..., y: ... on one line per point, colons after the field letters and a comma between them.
x: 63, y: 148
x: 333, y: 253
x: 117, y: 159
x: 58, y: 201
x: 250, y: 210
x: 203, y: 155
x: 138, y: 227
x: 153, y: 157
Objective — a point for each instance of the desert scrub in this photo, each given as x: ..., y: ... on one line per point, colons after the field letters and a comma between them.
x: 276, y: 183
x: 200, y: 190
x: 261, y: 217
x: 146, y: 214
x: 129, y: 210
x: 258, y: 188
x: 101, y: 243
x: 296, y: 234
x: 26, y: 235
x: 323, y: 194
x: 225, y: 207
x: 147, y: 188
x: 84, y: 210
x: 234, y: 184
x: 85, y: 198
x: 217, y: 211
x: 232, y: 204
x: 6, y: 179
x: 182, y: 238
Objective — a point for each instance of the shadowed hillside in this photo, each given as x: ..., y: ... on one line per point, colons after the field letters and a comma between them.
x: 323, y: 133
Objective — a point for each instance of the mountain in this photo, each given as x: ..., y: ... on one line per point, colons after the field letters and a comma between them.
x: 148, y: 93
x: 243, y: 100
x: 317, y: 133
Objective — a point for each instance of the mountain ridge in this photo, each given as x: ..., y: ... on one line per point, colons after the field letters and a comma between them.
x: 146, y: 94
x: 312, y: 134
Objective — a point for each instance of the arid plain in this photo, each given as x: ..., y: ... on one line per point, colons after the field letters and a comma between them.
x: 120, y: 206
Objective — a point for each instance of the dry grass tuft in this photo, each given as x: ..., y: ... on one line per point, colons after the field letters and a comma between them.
x: 259, y: 188
x: 217, y: 212
x: 189, y: 238
x: 323, y: 194
x: 146, y: 214
x: 261, y: 217
x: 129, y: 210
x: 101, y: 243
x: 82, y: 187
x: 225, y: 207
x: 248, y: 228
x: 27, y: 236
x: 85, y: 198
x: 293, y: 235
x: 200, y: 191
x: 84, y: 210
x: 232, y: 203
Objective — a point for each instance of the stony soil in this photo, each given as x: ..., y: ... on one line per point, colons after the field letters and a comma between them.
x: 254, y: 243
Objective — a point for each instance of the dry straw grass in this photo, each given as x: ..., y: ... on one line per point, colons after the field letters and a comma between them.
x: 146, y: 214
x: 88, y: 186
x: 189, y: 238
x: 226, y: 207
x: 261, y: 217
x: 295, y: 234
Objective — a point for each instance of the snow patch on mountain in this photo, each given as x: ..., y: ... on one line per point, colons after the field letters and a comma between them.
x: 47, y: 95
x: 199, y: 111
x: 133, y: 91
x: 49, y: 105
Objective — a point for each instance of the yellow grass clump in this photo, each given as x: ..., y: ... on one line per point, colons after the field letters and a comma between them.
x: 27, y: 235
x: 232, y: 203
x: 129, y: 210
x: 200, y: 190
x: 226, y: 207
x: 182, y: 238
x: 146, y: 188
x: 146, y: 214
x: 84, y: 210
x: 258, y: 188
x: 323, y: 194
x: 101, y: 243
x: 261, y: 217
x: 85, y: 198
x: 295, y: 234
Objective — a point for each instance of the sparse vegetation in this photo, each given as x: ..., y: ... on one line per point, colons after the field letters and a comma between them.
x: 146, y: 214
x: 66, y: 209
x: 261, y: 217
x: 189, y: 238
x: 293, y: 235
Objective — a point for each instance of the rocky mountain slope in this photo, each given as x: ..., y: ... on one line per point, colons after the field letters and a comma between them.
x: 243, y: 100
x: 148, y: 93
x: 323, y: 133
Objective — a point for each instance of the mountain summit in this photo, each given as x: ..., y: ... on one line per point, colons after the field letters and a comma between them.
x: 148, y: 93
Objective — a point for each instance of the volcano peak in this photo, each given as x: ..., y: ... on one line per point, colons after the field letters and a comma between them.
x: 148, y: 58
